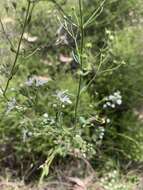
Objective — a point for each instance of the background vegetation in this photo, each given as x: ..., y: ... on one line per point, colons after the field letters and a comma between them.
x: 75, y: 94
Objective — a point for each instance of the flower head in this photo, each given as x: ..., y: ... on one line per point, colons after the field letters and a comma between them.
x: 11, y: 105
x: 63, y: 97
x: 37, y: 81
x: 113, y: 100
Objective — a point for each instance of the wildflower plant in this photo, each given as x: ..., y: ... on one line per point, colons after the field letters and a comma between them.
x: 49, y: 119
x: 51, y: 124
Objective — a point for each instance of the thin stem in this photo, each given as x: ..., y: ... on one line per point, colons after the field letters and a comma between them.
x: 97, y: 73
x: 63, y: 13
x: 80, y: 58
x: 95, y: 14
x: 6, y: 35
x: 18, y: 50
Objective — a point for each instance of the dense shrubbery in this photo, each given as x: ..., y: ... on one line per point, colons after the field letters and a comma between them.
x: 38, y: 112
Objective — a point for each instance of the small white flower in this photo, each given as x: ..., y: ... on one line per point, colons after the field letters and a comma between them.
x: 119, y: 102
x: 63, y: 97
x: 77, y: 136
x: 41, y: 81
x: 102, y: 129
x: 29, y: 82
x: 102, y: 180
x: 30, y: 134
x: 110, y: 184
x: 11, y: 105
x: 108, y: 103
x: 45, y: 115
x: 115, y: 172
x: 113, y: 105
x: 111, y: 97
x: 37, y: 81
x: 12, y: 89
x: 63, y: 106
x: 54, y: 105
x: 108, y: 120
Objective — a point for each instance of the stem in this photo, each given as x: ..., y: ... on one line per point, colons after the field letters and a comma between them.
x: 80, y: 58
x: 63, y: 13
x: 6, y: 35
x: 18, y: 50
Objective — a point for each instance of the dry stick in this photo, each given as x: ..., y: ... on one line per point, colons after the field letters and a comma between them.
x: 81, y: 59
x: 18, y: 50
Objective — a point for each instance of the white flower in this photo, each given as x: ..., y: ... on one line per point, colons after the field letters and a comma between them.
x: 108, y: 104
x: 45, y: 115
x: 11, y: 105
x: 115, y: 172
x: 101, y: 132
x: 119, y: 101
x: 37, y: 81
x: 40, y: 81
x: 12, y: 89
x: 111, y: 97
x: 54, y: 105
x: 29, y: 82
x: 102, y: 129
x: 63, y: 97
x: 108, y: 120
x: 113, y: 105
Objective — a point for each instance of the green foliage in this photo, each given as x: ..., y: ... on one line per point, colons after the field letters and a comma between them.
x: 124, y: 50
x: 77, y: 94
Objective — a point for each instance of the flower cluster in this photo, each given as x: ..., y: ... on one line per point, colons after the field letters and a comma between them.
x: 112, y: 181
x: 101, y: 131
x: 113, y: 100
x: 84, y: 148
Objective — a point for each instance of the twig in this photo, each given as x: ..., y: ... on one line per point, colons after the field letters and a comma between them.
x: 6, y: 35
x: 63, y: 13
x: 95, y: 14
